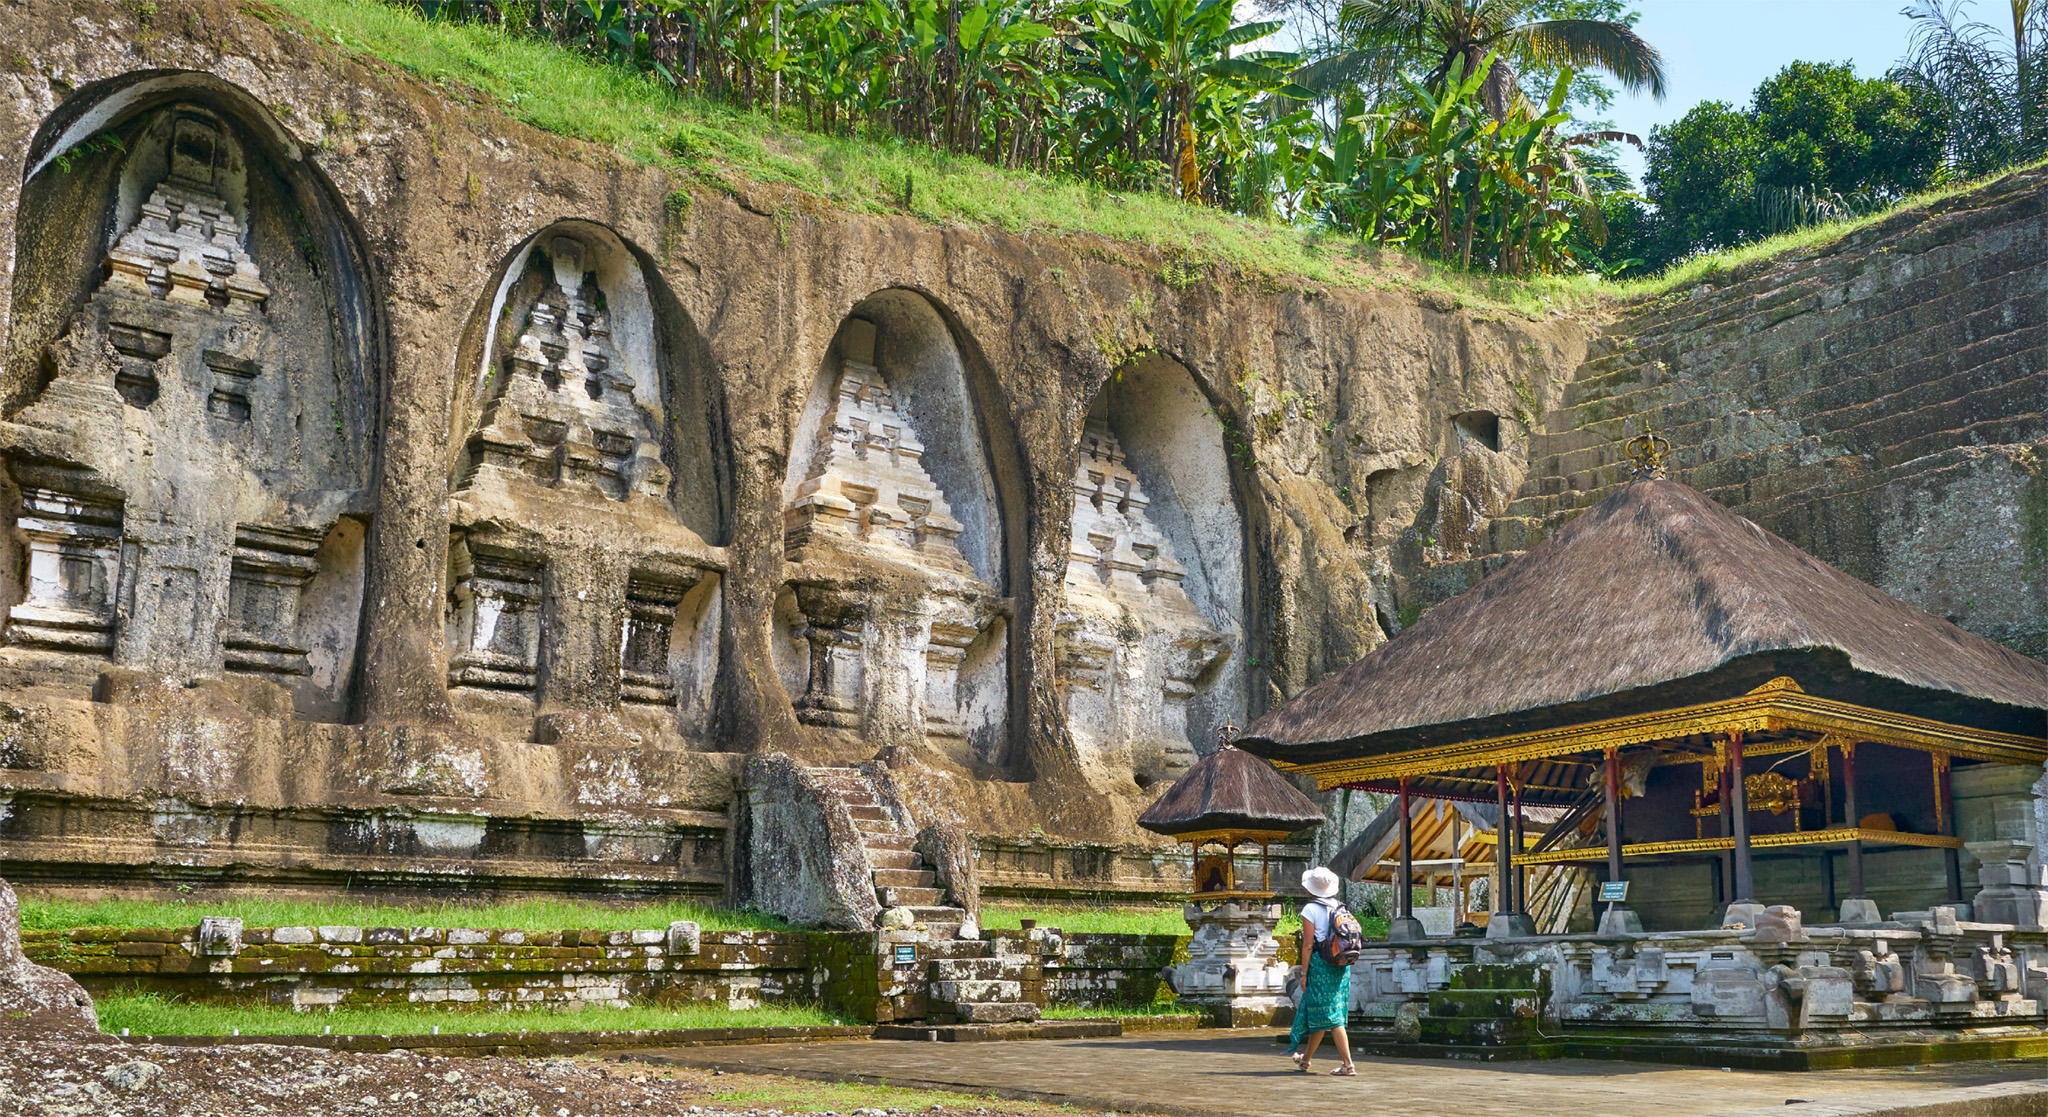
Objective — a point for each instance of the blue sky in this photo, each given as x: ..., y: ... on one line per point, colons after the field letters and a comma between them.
x: 1720, y: 50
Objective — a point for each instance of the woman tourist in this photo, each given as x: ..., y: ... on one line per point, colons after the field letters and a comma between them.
x: 1330, y: 939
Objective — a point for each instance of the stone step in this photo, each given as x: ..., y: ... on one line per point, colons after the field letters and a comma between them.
x: 905, y: 878
x: 957, y: 992
x: 911, y: 897
x: 1009, y: 968
x: 952, y: 949
x: 996, y: 1012
x: 941, y: 1032
x: 883, y: 858
x: 886, y: 839
x: 869, y: 812
x: 937, y: 914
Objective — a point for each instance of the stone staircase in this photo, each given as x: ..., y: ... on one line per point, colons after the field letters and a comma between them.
x: 970, y: 981
x: 1813, y: 392
x: 902, y: 880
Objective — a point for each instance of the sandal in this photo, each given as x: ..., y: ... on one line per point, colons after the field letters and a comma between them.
x: 1300, y: 1061
x: 1342, y: 1072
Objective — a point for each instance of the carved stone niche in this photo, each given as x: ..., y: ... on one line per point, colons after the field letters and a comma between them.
x: 899, y: 662
x: 71, y: 524
x: 265, y: 585
x: 651, y: 602
x: 1132, y: 647
x: 561, y: 410
x: 494, y: 618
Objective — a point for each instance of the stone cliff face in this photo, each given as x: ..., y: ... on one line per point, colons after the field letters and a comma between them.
x: 403, y: 496
x: 1878, y: 401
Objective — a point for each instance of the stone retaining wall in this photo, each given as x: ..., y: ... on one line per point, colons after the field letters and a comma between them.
x: 317, y: 967
x: 854, y: 973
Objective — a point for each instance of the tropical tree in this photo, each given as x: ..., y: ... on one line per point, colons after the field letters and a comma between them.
x: 1815, y: 143
x: 1466, y: 32
x: 1186, y: 45
x: 1991, y: 82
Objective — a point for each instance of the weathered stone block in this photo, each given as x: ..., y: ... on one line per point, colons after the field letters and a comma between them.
x: 684, y: 937
x: 1728, y: 994
x: 293, y: 936
x: 220, y: 935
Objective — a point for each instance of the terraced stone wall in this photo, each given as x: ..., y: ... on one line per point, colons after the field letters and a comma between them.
x: 1878, y: 400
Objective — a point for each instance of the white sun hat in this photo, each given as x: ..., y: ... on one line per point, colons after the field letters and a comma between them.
x: 1320, y: 882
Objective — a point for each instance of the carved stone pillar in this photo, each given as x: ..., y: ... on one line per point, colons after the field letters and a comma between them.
x: 835, y: 620
x: 271, y: 568
x: 73, y: 528
x: 495, y: 619
x: 952, y: 631
x: 651, y: 601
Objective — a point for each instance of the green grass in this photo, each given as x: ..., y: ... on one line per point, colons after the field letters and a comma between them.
x: 642, y: 122
x: 1106, y: 921
x: 1097, y: 1012
x: 155, y: 1015
x: 264, y: 911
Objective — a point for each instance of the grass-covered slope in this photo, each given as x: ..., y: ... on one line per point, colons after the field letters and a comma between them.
x: 563, y: 93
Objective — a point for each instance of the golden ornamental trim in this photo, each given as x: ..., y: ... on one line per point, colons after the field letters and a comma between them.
x: 1768, y: 709
x: 1233, y: 837
x: 1838, y: 836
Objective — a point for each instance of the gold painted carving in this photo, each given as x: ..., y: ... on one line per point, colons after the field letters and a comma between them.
x: 1769, y: 791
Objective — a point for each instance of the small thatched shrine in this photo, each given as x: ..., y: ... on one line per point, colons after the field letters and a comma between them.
x: 1227, y: 800
x: 1745, y: 726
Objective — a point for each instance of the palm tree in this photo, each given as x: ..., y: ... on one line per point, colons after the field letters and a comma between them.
x: 1995, y: 91
x: 1444, y: 31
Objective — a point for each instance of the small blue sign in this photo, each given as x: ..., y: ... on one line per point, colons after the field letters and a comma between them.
x: 906, y: 954
x: 1614, y: 892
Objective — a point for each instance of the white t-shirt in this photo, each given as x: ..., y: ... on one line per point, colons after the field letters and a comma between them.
x: 1316, y: 915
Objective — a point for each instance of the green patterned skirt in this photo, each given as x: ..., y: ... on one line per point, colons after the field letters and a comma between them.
x: 1325, y: 999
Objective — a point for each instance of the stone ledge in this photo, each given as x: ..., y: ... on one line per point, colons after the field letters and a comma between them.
x: 528, y: 1043
x: 982, y: 1033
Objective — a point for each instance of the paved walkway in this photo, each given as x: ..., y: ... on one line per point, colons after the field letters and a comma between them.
x: 1209, y: 1074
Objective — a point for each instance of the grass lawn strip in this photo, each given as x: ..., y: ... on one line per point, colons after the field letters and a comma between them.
x: 156, y: 1015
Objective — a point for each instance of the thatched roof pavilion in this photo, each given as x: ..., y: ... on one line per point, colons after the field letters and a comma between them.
x: 1659, y: 628
x: 1231, y: 798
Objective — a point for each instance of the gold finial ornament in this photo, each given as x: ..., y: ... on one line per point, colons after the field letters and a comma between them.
x: 1646, y: 453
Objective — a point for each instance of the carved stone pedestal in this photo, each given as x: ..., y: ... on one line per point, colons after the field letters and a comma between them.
x: 1233, y: 968
x: 2015, y: 885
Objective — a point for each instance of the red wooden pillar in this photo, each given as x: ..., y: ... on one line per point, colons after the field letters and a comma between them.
x: 1738, y: 820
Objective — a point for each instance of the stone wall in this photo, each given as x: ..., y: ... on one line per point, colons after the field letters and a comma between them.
x: 405, y: 499
x: 861, y: 975
x: 1876, y: 400
x: 360, y: 967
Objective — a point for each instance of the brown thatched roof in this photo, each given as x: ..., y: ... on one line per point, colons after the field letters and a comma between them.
x: 1230, y: 790
x: 1656, y: 597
